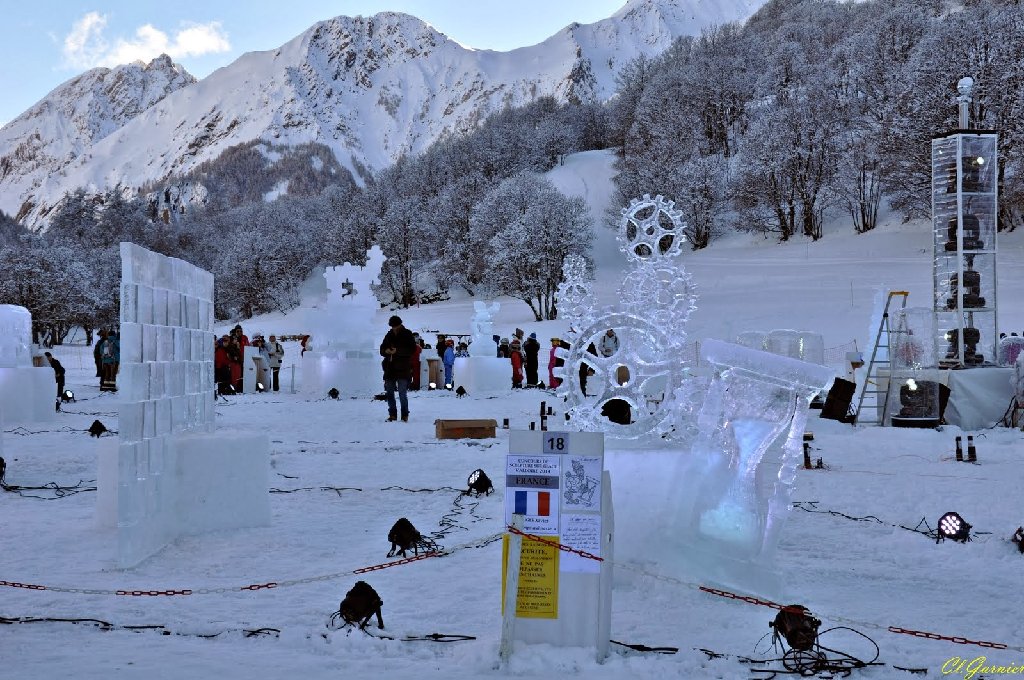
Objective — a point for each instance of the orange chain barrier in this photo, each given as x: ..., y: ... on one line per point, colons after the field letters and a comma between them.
x: 947, y: 638
x: 554, y: 544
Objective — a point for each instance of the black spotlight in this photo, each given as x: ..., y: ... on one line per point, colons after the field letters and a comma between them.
x: 67, y: 395
x: 403, y: 536
x: 260, y: 387
x: 333, y: 393
x: 953, y: 527
x: 1018, y: 535
x: 432, y: 386
x: 797, y: 626
x: 479, y: 483
x: 96, y: 429
x: 359, y: 605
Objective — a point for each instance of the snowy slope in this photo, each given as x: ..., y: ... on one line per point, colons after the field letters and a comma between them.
x: 844, y: 554
x: 371, y: 88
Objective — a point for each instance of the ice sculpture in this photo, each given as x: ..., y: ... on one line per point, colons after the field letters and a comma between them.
x: 481, y: 327
x: 575, y: 299
x: 26, y: 393
x: 482, y: 372
x: 651, y: 228
x: 622, y: 369
x: 166, y: 420
x: 15, y: 336
x: 344, y: 335
x: 734, y: 489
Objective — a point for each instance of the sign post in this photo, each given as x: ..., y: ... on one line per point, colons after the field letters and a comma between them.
x: 556, y: 482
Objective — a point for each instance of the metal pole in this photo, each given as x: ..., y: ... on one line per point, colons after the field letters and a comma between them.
x: 508, y: 616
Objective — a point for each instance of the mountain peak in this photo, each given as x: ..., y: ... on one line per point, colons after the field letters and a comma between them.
x: 370, y: 88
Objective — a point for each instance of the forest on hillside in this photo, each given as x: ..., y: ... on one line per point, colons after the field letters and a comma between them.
x: 812, y: 107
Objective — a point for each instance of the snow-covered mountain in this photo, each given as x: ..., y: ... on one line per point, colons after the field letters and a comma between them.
x: 371, y: 88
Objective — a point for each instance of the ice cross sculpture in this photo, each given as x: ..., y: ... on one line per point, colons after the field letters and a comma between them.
x: 347, y: 320
x: 640, y: 380
x: 742, y: 465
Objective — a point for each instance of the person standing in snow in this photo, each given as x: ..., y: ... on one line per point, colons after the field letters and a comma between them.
x: 275, y: 356
x: 417, y: 350
x: 449, y: 363
x: 531, y: 348
x: 397, y: 348
x: 516, y: 355
x: 110, y: 357
x: 58, y: 372
x: 553, y: 382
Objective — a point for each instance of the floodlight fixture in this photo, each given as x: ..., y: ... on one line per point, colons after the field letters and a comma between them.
x: 1017, y: 538
x: 431, y: 386
x: 333, y: 393
x: 260, y: 387
x: 67, y: 395
x: 954, y: 527
x: 479, y: 483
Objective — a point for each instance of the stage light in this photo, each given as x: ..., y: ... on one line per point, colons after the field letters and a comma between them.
x: 260, y: 387
x: 953, y: 527
x: 96, y: 429
x: 479, y: 483
x: 359, y: 606
x: 333, y: 393
x: 447, y: 386
x: 431, y: 386
x: 911, y: 384
x: 797, y: 626
x: 1018, y: 535
x: 67, y: 395
x: 981, y: 160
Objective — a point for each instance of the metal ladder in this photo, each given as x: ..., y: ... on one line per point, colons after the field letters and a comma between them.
x: 879, y: 395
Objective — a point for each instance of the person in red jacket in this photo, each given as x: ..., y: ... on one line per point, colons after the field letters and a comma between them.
x: 516, y: 355
x: 222, y: 366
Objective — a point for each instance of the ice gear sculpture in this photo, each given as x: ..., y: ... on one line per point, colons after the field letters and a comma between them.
x: 651, y: 228
x: 631, y: 393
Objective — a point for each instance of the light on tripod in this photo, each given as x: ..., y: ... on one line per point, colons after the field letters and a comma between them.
x: 1018, y: 535
x: 954, y: 527
x: 260, y: 387
x: 67, y: 395
x: 431, y: 386
x: 479, y: 483
x: 333, y: 393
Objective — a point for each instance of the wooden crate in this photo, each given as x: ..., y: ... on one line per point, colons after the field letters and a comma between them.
x: 465, y: 429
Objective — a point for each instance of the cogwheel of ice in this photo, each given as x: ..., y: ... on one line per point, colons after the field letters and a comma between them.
x: 574, y: 294
x: 644, y: 372
x: 651, y: 228
x: 664, y: 294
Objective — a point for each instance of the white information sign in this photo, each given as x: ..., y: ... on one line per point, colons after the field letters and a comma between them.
x: 581, y: 532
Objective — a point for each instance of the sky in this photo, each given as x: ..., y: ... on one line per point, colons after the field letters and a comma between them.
x: 44, y: 44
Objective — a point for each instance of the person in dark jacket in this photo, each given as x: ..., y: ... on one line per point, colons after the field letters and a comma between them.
x: 96, y: 354
x: 397, y: 349
x: 531, y: 348
x: 58, y: 373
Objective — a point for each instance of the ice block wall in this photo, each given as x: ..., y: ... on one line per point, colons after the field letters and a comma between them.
x: 166, y: 387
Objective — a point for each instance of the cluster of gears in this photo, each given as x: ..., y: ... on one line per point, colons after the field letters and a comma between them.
x: 645, y: 372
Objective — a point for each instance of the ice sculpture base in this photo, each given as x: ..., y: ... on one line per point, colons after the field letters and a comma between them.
x: 483, y: 375
x: 27, y: 395
x: 223, y: 481
x: 353, y: 374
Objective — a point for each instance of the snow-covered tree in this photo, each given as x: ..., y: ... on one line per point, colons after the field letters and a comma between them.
x: 526, y: 227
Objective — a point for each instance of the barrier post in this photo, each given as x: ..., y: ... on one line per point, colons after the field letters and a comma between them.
x: 508, y: 620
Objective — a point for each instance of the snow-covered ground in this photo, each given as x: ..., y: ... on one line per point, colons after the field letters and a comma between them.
x: 868, y: 575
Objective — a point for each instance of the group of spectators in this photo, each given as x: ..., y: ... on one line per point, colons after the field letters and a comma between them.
x: 229, y: 353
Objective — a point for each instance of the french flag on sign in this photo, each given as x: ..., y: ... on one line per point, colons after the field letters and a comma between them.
x: 533, y: 503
